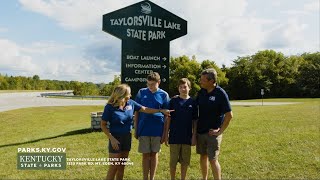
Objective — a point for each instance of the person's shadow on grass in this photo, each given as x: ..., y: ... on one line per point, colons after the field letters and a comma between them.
x: 70, y: 133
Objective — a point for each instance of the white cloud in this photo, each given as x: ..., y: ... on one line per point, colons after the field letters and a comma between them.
x: 296, y: 12
x: 80, y: 70
x: 208, y: 23
x: 12, y: 58
x: 312, y: 6
x: 217, y: 30
x: 2, y: 30
x: 44, y: 48
x: 71, y: 14
x: 21, y: 60
x: 307, y: 9
x: 285, y: 35
x: 275, y: 3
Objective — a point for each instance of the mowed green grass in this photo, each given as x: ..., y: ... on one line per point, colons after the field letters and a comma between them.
x: 262, y: 142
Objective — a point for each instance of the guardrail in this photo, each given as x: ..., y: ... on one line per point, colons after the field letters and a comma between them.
x: 70, y: 95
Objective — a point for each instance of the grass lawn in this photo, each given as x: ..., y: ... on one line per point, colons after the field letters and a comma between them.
x: 262, y: 142
x: 280, y: 100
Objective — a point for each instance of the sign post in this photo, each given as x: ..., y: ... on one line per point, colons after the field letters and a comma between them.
x: 262, y: 93
x: 146, y: 30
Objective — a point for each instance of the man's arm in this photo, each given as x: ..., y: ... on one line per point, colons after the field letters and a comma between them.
x: 227, y: 118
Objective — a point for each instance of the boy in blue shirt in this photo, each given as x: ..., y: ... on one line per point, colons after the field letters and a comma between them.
x: 149, y: 127
x: 181, y: 127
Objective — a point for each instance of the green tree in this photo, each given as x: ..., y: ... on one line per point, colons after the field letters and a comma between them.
x: 35, y: 83
x: 12, y: 83
x: 309, y: 78
x: 3, y: 83
x: 76, y: 86
x: 183, y: 67
x: 266, y: 67
x: 49, y: 85
x: 241, y: 80
x: 108, y: 88
x: 289, y: 74
x: 222, y: 79
x: 267, y: 70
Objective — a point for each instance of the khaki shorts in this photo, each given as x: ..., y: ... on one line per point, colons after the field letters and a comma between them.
x: 209, y: 145
x: 148, y: 144
x: 180, y: 153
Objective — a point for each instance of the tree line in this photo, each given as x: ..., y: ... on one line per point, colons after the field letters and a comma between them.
x: 279, y: 76
x: 35, y: 83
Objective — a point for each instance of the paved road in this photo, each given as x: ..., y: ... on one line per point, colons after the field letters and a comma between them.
x: 10, y: 101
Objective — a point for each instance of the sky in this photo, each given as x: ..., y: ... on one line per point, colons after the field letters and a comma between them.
x: 63, y: 39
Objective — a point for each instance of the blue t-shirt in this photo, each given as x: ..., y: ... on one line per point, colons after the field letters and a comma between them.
x: 212, y: 107
x: 120, y: 120
x: 152, y: 124
x: 186, y: 110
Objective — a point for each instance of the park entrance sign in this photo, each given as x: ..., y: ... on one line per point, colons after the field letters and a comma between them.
x: 146, y: 30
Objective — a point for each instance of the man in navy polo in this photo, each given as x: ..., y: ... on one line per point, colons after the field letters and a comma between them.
x: 214, y: 117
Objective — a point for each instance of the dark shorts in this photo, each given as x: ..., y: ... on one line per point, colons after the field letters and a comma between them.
x: 125, y: 143
x: 209, y: 145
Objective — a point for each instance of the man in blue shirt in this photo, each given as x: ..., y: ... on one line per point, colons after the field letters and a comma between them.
x: 214, y: 117
x: 149, y: 127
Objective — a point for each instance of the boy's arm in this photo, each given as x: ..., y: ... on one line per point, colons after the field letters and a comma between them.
x: 195, y: 115
x: 194, y: 132
x: 166, y: 127
x: 147, y: 110
x: 165, y: 135
x: 135, y: 124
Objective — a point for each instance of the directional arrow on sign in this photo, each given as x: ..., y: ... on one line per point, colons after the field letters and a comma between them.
x: 164, y: 66
x: 164, y: 80
x: 164, y: 58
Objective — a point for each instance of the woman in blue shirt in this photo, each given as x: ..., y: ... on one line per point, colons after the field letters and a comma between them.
x: 118, y: 114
